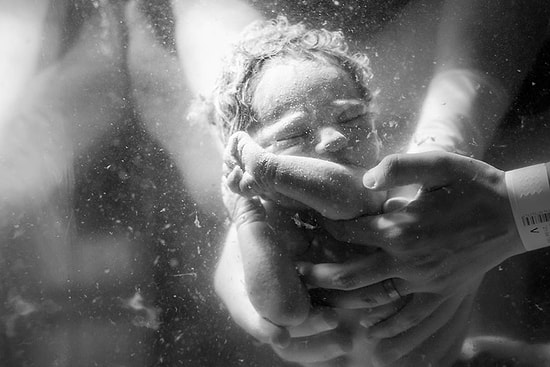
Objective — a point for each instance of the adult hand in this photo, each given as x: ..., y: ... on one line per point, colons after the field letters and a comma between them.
x: 458, y: 227
x: 315, y: 341
x: 437, y: 341
x: 418, y: 330
x: 333, y: 337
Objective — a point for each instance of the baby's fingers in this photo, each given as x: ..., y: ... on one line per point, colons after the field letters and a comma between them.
x: 233, y: 179
x: 241, y: 182
x: 248, y: 186
x: 231, y: 155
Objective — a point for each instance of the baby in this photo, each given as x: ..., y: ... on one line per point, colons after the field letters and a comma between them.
x: 293, y: 108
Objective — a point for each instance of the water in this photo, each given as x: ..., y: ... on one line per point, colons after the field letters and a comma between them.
x: 109, y: 240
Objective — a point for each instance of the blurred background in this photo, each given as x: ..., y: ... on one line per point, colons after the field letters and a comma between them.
x: 105, y: 258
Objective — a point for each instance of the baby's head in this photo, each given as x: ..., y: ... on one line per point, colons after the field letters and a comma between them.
x: 298, y: 91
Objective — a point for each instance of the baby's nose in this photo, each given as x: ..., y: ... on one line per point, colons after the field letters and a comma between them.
x: 330, y: 140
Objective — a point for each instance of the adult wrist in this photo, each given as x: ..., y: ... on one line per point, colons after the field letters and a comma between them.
x: 529, y: 195
x: 459, y: 113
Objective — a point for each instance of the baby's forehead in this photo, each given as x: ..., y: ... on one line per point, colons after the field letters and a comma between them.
x: 301, y: 84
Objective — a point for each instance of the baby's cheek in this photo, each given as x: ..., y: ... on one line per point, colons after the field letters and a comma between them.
x: 366, y: 151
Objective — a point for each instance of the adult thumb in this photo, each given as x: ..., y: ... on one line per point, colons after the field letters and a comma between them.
x: 428, y: 169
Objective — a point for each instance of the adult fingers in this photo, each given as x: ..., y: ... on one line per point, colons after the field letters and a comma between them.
x: 452, y: 354
x: 443, y: 347
x: 316, y: 348
x: 392, y: 349
x: 375, y: 295
x: 376, y: 230
x: 371, y: 316
x: 354, y: 274
x: 419, y: 307
x: 430, y: 169
x: 320, y: 319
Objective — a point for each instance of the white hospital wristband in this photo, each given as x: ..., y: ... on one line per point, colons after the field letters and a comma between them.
x: 529, y: 194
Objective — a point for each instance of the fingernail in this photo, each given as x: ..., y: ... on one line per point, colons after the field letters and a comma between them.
x: 369, y: 181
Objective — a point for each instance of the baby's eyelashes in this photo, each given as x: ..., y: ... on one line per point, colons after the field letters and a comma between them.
x: 291, y: 135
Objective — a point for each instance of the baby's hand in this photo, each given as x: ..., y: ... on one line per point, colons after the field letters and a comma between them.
x: 246, y: 165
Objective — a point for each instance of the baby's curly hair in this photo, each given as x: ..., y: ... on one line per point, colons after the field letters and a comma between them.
x: 267, y: 40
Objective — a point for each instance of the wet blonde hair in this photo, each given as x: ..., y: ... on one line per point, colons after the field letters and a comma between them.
x: 268, y: 40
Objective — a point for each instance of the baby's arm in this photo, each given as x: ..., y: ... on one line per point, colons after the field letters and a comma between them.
x: 272, y: 281
x: 334, y: 190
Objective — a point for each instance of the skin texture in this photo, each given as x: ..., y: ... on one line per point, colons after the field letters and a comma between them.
x: 339, y: 333
x: 295, y: 181
x: 463, y: 204
x: 418, y: 263
x: 263, y: 165
x: 494, y: 39
x: 459, y: 177
x: 319, y: 122
x: 274, y: 287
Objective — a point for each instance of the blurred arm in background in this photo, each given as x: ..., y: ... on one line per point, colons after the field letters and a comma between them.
x: 53, y: 114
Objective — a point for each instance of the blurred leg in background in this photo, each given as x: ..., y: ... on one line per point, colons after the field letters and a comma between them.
x: 70, y: 297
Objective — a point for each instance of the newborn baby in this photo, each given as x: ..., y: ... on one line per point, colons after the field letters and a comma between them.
x: 294, y: 108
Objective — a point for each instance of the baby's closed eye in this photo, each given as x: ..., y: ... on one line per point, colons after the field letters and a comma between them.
x: 351, y: 111
x: 292, y: 137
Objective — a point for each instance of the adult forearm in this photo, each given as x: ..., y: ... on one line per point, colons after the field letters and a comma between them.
x: 485, y: 51
x: 66, y: 108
